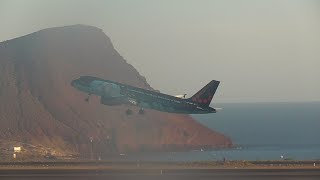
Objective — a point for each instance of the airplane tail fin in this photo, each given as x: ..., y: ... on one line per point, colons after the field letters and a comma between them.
x: 205, y: 95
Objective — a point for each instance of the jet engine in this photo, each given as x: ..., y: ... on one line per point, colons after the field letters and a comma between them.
x: 113, y: 101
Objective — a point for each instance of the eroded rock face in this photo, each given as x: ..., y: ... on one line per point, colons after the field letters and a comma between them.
x: 39, y: 107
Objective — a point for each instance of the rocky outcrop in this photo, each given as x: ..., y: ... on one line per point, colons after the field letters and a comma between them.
x: 39, y: 107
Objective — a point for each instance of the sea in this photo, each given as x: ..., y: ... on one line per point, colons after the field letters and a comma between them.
x: 259, y: 131
x: 268, y: 131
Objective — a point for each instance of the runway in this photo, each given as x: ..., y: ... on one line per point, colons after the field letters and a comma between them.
x: 159, y: 174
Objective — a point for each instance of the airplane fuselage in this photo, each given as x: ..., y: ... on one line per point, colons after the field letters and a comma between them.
x: 114, y: 93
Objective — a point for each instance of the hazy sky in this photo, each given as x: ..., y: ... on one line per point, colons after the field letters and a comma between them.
x: 259, y: 50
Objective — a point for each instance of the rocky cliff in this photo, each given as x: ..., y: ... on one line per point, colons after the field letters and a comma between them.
x: 39, y: 107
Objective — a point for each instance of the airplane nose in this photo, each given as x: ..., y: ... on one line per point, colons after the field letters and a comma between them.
x: 73, y: 83
x: 82, y: 81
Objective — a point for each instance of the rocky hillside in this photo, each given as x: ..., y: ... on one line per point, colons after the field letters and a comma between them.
x: 39, y: 107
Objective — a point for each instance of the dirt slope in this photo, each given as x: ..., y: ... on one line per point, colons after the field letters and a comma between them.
x: 38, y: 105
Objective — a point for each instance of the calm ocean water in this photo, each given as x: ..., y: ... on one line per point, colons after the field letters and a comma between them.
x: 260, y: 131
x: 268, y: 131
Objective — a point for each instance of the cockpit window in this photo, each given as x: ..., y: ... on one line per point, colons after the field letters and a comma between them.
x: 86, y: 79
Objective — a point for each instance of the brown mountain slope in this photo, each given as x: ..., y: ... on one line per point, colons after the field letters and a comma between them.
x: 38, y: 105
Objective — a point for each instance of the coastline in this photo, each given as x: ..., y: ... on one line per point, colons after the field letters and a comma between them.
x: 136, y: 165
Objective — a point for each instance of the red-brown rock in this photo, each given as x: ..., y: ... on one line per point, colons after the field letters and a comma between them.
x: 38, y: 106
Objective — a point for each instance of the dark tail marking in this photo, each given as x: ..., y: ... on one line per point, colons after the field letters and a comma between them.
x: 205, y: 95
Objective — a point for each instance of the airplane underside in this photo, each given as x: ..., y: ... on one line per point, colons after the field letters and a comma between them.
x: 170, y: 108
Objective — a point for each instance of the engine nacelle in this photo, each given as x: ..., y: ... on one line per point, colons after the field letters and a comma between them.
x: 113, y: 101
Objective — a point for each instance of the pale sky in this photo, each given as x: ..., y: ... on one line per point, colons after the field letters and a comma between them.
x: 261, y: 51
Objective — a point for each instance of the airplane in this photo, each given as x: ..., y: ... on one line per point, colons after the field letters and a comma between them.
x: 114, y: 93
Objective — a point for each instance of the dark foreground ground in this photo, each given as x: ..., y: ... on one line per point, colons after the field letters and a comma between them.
x: 166, y: 174
x: 158, y: 171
